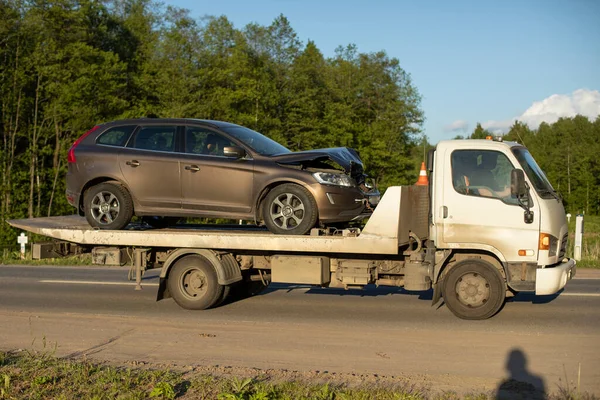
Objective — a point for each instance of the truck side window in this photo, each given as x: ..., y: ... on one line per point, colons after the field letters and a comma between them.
x: 482, y: 173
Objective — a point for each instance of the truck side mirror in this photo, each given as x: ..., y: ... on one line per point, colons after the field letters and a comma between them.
x: 518, y: 188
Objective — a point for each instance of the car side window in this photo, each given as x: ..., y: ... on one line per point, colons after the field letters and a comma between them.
x: 157, y: 138
x: 200, y: 140
x: 116, y: 136
x: 482, y: 173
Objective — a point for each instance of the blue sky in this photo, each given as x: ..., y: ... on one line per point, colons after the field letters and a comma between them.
x: 472, y: 61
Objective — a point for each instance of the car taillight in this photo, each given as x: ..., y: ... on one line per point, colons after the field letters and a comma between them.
x: 71, y: 153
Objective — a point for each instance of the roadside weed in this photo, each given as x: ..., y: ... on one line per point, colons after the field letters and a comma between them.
x: 163, y: 390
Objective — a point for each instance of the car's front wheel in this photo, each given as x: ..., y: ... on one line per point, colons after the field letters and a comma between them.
x: 108, y: 206
x: 290, y: 209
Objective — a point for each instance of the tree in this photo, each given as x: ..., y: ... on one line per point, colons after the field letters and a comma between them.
x: 479, y: 132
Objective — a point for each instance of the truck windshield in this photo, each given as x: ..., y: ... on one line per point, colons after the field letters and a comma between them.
x: 535, y: 174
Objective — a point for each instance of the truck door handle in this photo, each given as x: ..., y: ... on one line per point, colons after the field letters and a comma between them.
x: 444, y: 212
x: 133, y: 163
x: 193, y: 168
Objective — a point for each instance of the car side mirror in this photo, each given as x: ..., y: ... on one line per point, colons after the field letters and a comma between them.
x: 518, y: 188
x: 234, y: 152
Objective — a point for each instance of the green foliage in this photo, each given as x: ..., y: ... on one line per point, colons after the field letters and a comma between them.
x: 67, y: 65
x: 163, y: 390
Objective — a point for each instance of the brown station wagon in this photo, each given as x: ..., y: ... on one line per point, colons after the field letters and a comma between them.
x: 163, y: 168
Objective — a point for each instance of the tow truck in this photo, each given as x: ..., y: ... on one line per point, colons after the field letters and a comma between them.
x: 471, y: 244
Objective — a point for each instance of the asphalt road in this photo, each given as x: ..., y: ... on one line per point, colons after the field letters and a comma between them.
x: 96, y: 313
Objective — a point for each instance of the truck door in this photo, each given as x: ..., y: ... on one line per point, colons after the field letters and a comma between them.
x: 477, y: 210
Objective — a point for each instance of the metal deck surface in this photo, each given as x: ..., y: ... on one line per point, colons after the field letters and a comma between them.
x: 379, y: 236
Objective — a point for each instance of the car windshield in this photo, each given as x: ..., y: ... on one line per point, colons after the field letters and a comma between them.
x: 534, y: 173
x: 256, y: 141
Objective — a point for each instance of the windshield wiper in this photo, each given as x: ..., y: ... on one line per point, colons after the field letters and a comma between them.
x: 551, y: 192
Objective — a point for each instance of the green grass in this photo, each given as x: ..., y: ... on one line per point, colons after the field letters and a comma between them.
x: 8, y: 257
x: 590, y: 252
x: 30, y: 375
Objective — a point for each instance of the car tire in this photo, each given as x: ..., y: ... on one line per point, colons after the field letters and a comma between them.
x: 474, y: 289
x: 193, y: 283
x: 108, y: 206
x: 289, y: 209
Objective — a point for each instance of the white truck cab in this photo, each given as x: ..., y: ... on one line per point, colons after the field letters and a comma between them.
x: 482, y: 201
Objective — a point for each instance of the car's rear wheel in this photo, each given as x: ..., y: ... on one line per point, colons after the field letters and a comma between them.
x: 108, y: 206
x: 290, y: 209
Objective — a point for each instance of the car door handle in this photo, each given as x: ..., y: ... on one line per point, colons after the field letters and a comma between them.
x: 133, y: 163
x: 193, y: 168
x: 444, y: 212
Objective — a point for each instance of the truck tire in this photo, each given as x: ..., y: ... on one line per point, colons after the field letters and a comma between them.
x: 474, y: 289
x: 289, y: 209
x: 108, y: 206
x: 193, y: 283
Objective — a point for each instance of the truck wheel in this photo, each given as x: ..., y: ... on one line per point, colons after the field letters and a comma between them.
x: 193, y: 283
x: 108, y: 206
x: 290, y: 209
x: 474, y: 289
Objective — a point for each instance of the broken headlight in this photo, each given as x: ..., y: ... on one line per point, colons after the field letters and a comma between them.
x: 328, y: 178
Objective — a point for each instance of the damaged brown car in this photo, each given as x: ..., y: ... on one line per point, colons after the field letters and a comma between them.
x: 165, y: 168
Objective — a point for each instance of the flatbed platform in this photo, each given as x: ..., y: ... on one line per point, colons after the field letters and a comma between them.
x: 386, y: 230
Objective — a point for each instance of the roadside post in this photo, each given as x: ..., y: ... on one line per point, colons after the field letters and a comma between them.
x: 578, y: 237
x: 22, y: 240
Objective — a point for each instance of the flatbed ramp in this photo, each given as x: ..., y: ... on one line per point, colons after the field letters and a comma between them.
x: 387, y: 229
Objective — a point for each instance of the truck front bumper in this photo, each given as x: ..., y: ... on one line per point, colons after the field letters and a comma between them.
x: 551, y: 279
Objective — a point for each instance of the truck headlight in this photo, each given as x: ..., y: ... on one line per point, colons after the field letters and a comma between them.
x: 548, y: 242
x: 328, y: 178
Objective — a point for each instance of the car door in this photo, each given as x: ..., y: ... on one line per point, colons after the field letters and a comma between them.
x: 477, y: 208
x: 150, y: 167
x: 210, y: 181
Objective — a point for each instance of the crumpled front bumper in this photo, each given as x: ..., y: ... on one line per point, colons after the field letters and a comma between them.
x: 551, y: 279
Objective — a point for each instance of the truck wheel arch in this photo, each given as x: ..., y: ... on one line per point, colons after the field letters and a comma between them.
x: 457, y: 256
x: 227, y: 268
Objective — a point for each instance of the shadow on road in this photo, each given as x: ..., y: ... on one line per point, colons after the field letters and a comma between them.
x: 520, y: 384
x: 532, y: 298
x: 367, y: 291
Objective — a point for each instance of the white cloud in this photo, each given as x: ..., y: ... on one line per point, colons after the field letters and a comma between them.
x: 459, y: 125
x: 582, y: 101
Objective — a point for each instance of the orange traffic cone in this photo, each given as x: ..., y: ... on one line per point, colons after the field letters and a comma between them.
x: 423, y: 180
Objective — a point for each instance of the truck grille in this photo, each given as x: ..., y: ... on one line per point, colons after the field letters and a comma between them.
x: 563, y: 246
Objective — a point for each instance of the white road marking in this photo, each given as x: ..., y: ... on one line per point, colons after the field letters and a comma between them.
x: 581, y: 294
x: 98, y: 283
